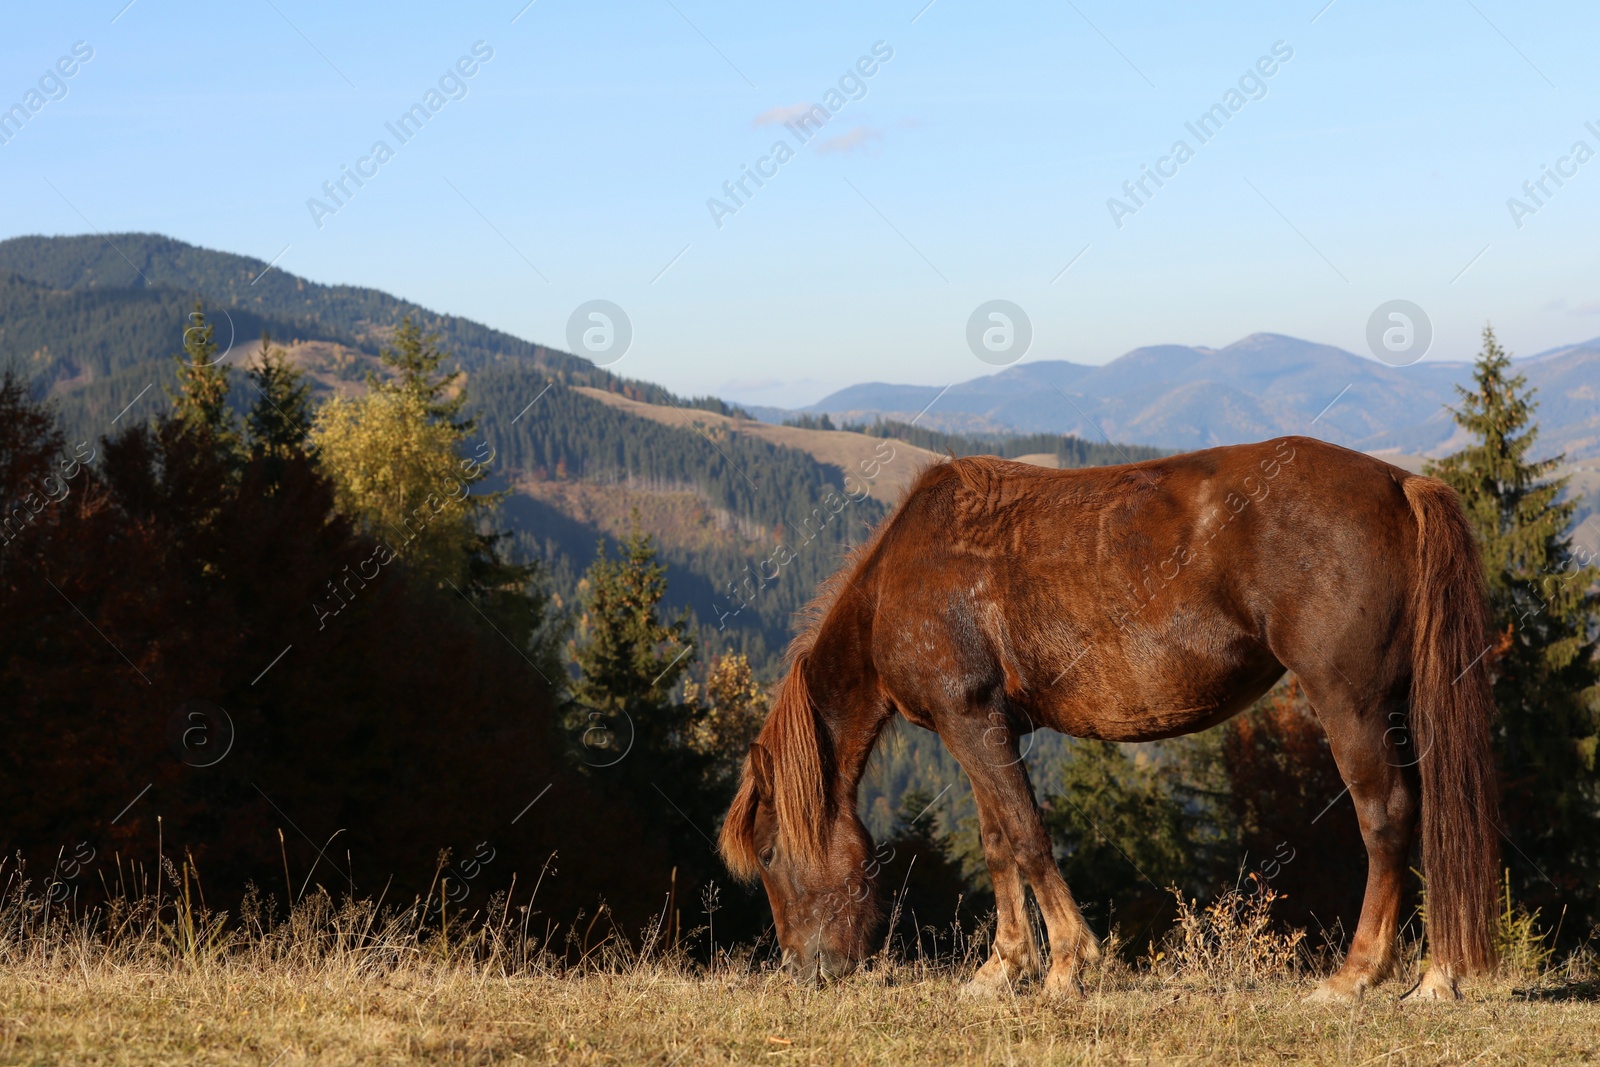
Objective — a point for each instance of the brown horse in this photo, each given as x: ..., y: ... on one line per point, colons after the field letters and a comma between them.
x: 1132, y: 603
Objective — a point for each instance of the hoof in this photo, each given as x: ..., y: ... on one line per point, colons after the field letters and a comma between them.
x: 1436, y: 985
x: 988, y: 983
x: 997, y: 976
x: 1065, y: 979
x: 1063, y: 984
x: 1339, y: 989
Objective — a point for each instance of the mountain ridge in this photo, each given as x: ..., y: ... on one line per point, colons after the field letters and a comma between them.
x: 134, y: 285
x: 1263, y: 385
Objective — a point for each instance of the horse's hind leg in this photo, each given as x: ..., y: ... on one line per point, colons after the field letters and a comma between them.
x: 1000, y: 785
x: 1015, y: 954
x: 1384, y: 789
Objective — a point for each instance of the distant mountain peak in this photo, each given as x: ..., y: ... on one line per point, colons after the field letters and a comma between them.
x: 1276, y: 344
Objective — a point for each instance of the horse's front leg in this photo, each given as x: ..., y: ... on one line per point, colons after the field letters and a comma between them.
x: 989, y: 754
x: 1015, y: 955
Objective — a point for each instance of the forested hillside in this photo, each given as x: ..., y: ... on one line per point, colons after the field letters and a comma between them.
x: 1068, y: 451
x: 94, y: 322
x: 752, y: 497
x: 619, y: 571
x: 93, y: 317
x: 96, y: 349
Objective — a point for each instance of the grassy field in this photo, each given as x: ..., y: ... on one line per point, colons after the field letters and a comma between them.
x: 659, y: 1015
x: 164, y: 982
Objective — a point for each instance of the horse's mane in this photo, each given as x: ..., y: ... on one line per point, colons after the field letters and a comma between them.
x: 800, y: 799
x: 802, y: 804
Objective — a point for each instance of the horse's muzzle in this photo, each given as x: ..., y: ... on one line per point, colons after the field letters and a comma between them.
x: 821, y: 967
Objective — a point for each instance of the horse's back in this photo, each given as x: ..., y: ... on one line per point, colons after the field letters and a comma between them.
x: 1148, y: 598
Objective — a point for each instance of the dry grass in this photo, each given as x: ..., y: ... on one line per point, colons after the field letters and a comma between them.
x: 149, y: 983
x: 247, y: 1014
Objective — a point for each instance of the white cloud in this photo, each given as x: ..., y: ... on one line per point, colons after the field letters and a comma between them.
x: 777, y: 116
x: 1582, y: 307
x: 856, y: 137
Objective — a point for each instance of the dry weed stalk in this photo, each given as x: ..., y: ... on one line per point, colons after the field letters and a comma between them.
x: 1231, y: 943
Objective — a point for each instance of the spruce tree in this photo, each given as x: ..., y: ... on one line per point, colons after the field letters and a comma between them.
x: 280, y: 417
x: 201, y: 399
x: 630, y: 660
x: 191, y: 458
x: 418, y: 408
x: 1547, y: 679
x: 921, y: 882
x: 416, y: 359
x: 1123, y: 834
x: 503, y: 588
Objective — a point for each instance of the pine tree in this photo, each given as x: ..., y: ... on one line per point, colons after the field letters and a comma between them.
x: 280, y: 417
x: 514, y: 596
x: 402, y: 479
x: 415, y: 359
x: 201, y: 398
x: 184, y: 469
x: 1547, y: 679
x: 630, y: 660
x: 1288, y: 820
x: 518, y: 599
x: 31, y: 471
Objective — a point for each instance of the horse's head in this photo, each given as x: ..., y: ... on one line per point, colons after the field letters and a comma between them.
x: 789, y: 826
x: 823, y: 891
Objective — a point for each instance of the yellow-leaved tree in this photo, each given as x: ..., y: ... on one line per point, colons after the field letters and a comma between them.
x: 731, y: 705
x: 402, y: 470
x: 396, y: 459
x: 399, y: 475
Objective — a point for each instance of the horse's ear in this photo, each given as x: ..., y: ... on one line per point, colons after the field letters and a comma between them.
x: 761, y: 770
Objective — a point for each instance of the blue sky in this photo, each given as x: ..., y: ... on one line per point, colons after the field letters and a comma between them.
x: 978, y: 164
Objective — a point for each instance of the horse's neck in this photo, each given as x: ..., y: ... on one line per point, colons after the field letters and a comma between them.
x: 854, y: 714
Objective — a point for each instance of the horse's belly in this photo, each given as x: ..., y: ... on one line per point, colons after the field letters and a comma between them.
x: 1123, y: 703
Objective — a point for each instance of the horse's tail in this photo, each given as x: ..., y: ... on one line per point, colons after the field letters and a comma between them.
x: 1452, y: 707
